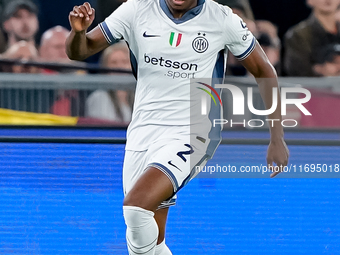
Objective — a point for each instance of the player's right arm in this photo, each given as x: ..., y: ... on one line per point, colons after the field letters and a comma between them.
x: 80, y: 44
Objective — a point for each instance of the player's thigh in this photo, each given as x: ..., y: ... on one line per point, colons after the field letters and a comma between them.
x: 177, y: 160
x: 150, y: 190
x: 143, y: 186
x: 135, y: 163
x: 154, y: 176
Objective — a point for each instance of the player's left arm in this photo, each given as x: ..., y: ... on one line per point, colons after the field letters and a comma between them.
x: 258, y: 65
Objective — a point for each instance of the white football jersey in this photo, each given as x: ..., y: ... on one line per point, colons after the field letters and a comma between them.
x: 165, y: 54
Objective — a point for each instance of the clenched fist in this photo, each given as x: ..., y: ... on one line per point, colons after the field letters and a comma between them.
x: 81, y: 17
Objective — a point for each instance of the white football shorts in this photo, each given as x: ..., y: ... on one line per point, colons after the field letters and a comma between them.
x: 176, y: 158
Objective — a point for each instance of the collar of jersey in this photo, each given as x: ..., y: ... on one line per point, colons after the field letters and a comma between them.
x: 187, y: 16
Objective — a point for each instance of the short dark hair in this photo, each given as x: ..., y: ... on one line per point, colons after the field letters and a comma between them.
x: 13, y: 6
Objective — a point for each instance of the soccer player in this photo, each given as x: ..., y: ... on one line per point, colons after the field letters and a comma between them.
x: 171, y: 42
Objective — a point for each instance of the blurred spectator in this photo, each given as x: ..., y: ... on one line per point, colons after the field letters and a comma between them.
x: 112, y: 105
x: 20, y: 21
x: 268, y: 38
x: 305, y: 40
x: 52, y: 49
x: 24, y: 51
x: 23, y: 99
x: 52, y: 45
x: 328, y: 61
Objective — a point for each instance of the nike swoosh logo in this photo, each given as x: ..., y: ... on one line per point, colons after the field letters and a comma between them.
x: 244, y: 25
x: 146, y: 35
x: 174, y: 165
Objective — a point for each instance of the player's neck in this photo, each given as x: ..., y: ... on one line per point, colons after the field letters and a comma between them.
x: 328, y: 21
x: 178, y: 12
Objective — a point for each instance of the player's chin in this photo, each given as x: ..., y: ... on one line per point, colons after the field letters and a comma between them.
x: 179, y: 4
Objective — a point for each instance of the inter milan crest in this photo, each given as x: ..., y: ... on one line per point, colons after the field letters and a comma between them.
x: 200, y: 43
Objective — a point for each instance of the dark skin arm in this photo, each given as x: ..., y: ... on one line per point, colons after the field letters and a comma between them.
x: 258, y: 65
x: 80, y: 44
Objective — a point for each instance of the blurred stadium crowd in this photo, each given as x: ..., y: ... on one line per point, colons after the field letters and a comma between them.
x: 310, y: 48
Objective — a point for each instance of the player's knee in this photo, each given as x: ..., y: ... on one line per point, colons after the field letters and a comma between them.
x: 135, y: 216
x: 142, y: 230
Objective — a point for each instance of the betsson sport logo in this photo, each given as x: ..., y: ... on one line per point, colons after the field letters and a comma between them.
x: 179, y: 70
x: 239, y: 102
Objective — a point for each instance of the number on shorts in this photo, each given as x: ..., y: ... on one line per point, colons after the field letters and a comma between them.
x: 181, y: 153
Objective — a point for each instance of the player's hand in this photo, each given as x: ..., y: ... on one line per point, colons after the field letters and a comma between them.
x: 277, y: 153
x: 81, y: 17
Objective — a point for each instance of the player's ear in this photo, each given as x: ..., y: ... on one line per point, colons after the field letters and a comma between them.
x: 7, y: 26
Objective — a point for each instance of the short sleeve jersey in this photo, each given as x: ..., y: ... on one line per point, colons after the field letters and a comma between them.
x: 166, y: 53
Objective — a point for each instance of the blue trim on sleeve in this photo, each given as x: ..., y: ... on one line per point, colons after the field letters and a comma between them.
x: 187, y: 16
x: 107, y: 33
x: 248, y: 51
x: 167, y: 172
